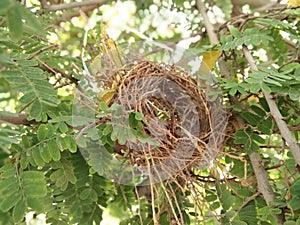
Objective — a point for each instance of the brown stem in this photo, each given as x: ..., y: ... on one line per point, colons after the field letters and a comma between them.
x: 20, y: 120
x: 40, y: 51
x: 209, y: 27
x: 68, y: 17
x: 44, y: 66
x: 247, y: 200
x: 74, y: 5
x: 2, y: 22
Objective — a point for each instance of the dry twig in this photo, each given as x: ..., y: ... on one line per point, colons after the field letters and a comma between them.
x: 74, y: 5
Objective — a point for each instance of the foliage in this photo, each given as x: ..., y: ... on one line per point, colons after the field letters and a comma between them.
x: 43, y: 168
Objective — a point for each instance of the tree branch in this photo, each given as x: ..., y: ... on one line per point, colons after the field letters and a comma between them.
x: 74, y: 5
x: 20, y: 120
x: 67, y: 17
x: 2, y: 22
x: 264, y: 186
x: 282, y: 126
x: 253, y: 3
x: 209, y: 27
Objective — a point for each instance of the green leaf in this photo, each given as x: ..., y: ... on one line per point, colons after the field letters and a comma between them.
x: 69, y: 172
x: 8, y: 203
x: 233, y: 91
x: 290, y: 222
x: 5, y: 4
x: 238, y: 222
x: 75, y: 121
x: 25, y: 141
x: 7, y: 183
x: 35, y: 190
x: 85, y: 194
x: 63, y: 127
x: 249, y: 214
x: 64, y: 142
x: 254, y: 88
x: 32, y: 24
x: 71, y: 143
x: 15, y: 23
x: 235, y: 32
x: 139, y: 116
x: 37, y: 157
x: 32, y: 176
x: 42, y: 132
x: 107, y: 130
x: 259, y: 111
x: 258, y: 138
x: 19, y: 211
x: 36, y: 110
x: 45, y: 154
x: 265, y: 126
x: 103, y: 106
x: 63, y: 175
x: 34, y: 183
x: 266, y: 88
x: 272, y: 81
x: 227, y: 200
x: 24, y: 161
x: 295, y: 188
x: 60, y: 180
x: 251, y: 118
x: 39, y: 204
x: 54, y: 150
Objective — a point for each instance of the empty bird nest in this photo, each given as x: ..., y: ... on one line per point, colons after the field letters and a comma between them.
x: 186, y: 128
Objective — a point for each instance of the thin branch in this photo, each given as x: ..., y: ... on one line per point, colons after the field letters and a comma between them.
x: 2, y: 22
x: 68, y: 17
x: 283, y: 128
x: 74, y: 5
x: 40, y: 51
x: 209, y: 27
x: 249, y: 199
x: 286, y: 41
x: 55, y: 71
x: 89, y: 126
x: 20, y: 120
x: 27, y: 105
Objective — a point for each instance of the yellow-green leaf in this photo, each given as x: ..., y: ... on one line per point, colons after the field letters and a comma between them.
x: 294, y: 2
x: 106, y: 95
x: 109, y: 48
x: 209, y: 60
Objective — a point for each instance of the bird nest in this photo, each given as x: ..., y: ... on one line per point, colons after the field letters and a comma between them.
x: 180, y: 130
x: 177, y: 118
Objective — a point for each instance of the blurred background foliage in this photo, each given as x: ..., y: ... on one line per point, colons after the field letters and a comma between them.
x: 45, y: 179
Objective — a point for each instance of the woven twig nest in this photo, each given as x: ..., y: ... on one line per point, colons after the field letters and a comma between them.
x: 177, y: 114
